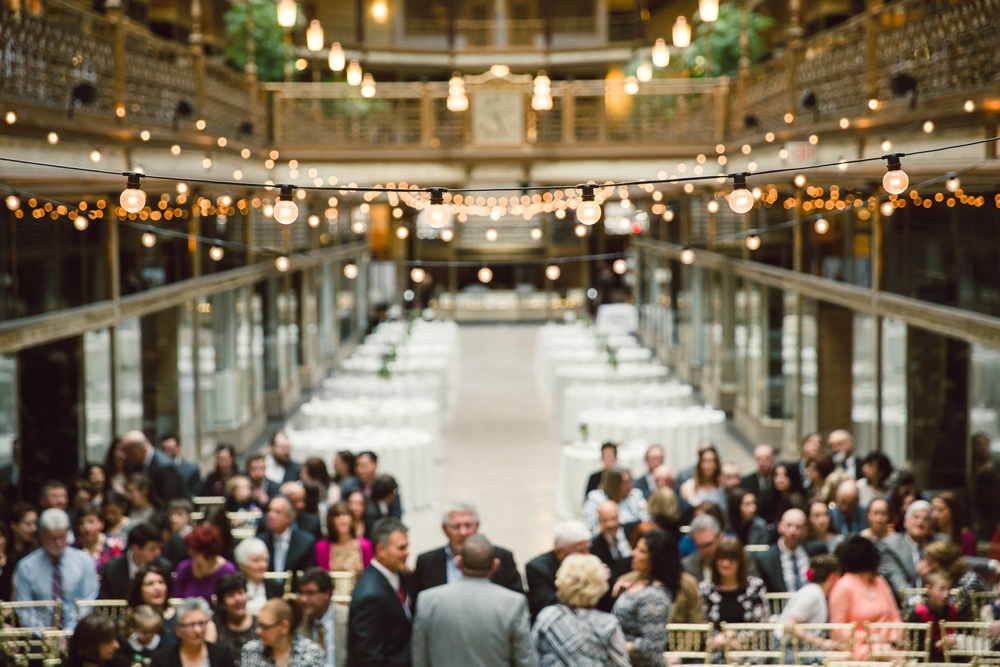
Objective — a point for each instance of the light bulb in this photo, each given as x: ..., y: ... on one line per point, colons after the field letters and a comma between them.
x: 969, y: 106
x: 631, y: 85
x: 873, y: 104
x: 542, y: 84
x: 368, y: 85
x: 644, y: 72
x: 217, y: 253
x: 402, y: 232
x: 485, y: 275
x: 687, y: 256
x: 661, y: 53
x: 417, y: 275
x: 620, y: 266
x: 350, y: 271
x: 13, y: 203
x: 207, y: 163
x: 682, y: 33
x: 799, y: 180
x: 668, y: 215
x: 580, y: 231
x: 95, y: 156
x: 281, y: 263
x: 354, y: 73
x: 895, y: 179
x: 753, y: 242
x: 149, y: 240
x: 10, y: 117
x: 133, y: 199
x: 552, y: 272
x: 199, y: 124
x: 886, y: 145
x: 821, y: 226
x: 740, y: 199
x: 536, y: 233
x: 313, y: 221
x: 288, y: 13
x: 492, y: 235
x: 175, y: 150
x: 887, y: 208
x: 380, y: 11
x: 336, y: 59
x: 447, y: 235
x: 285, y: 211
x: 713, y: 206
x: 437, y: 214
x: 708, y: 10
x: 845, y: 123
x: 81, y: 222
x: 457, y: 103
x: 314, y: 36
x: 499, y: 71
x: 952, y: 184
x: 541, y: 102
x: 53, y: 138
x: 588, y: 212
x: 928, y: 126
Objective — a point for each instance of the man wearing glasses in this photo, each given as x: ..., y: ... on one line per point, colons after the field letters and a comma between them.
x: 319, y: 622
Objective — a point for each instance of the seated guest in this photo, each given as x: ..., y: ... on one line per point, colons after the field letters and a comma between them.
x: 686, y: 544
x: 783, y: 567
x: 705, y: 533
x: 91, y: 540
x: 571, y: 537
x: 900, y: 552
x: 193, y: 619
x: 437, y: 567
x: 144, y: 629
x: 644, y: 608
x: 54, y: 573
x: 174, y: 549
x: 704, y: 484
x: 314, y: 470
x: 947, y: 557
x: 786, y: 494
x: 743, y: 520
x: 861, y: 594
x: 383, y: 501
x: 196, y: 576
x: 291, y: 549
x: 616, y: 485
x: 686, y: 597
x: 664, y: 509
x: 611, y: 547
x: 934, y: 608
x: 609, y: 458
x: 817, y: 470
x: 238, y: 494
x: 151, y: 587
x: 820, y: 526
x: 261, y: 488
x: 572, y: 632
x: 358, y: 504
x: 729, y: 480
x: 144, y: 547
x: 23, y: 526
x: 142, y: 504
x: 98, y: 478
x: 252, y: 559
x: 94, y: 642
x: 731, y: 595
x: 116, y: 521
x: 179, y: 511
x: 305, y: 521
x: 319, y: 619
x: 848, y: 515
x: 877, y: 516
x: 876, y: 468
x: 277, y: 644
x: 234, y: 623
x: 214, y: 483
x: 808, y: 604
x: 342, y: 550
x: 904, y: 492
x: 647, y: 483
x: 948, y: 520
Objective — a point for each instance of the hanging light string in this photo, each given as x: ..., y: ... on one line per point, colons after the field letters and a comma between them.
x: 513, y: 262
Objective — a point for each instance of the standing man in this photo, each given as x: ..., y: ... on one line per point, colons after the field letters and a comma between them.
x: 783, y: 567
x: 761, y: 481
x: 378, y: 626
x: 647, y: 483
x: 189, y: 472
x: 571, y: 537
x: 278, y: 464
x: 440, y: 566
x: 319, y: 621
x: 609, y: 457
x: 365, y: 474
x: 291, y: 549
x: 473, y: 622
x: 141, y: 456
x: 54, y: 573
x: 841, y: 443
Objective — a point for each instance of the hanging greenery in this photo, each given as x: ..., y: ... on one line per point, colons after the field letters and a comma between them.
x: 268, y: 38
x: 724, y: 37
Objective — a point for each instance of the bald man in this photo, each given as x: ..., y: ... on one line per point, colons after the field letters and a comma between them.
x: 306, y: 521
x: 841, y: 443
x: 783, y: 567
x: 849, y: 516
x: 612, y: 547
x: 140, y: 456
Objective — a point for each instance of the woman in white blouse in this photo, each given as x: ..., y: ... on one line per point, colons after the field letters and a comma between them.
x: 616, y: 485
x: 252, y: 558
x: 808, y: 605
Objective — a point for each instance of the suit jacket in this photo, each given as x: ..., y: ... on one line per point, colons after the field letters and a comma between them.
x: 643, y: 485
x: 854, y: 523
x: 541, y: 575
x: 115, y: 581
x: 378, y: 627
x: 693, y: 565
x: 164, y: 478
x: 618, y: 566
x: 309, y: 523
x: 432, y: 570
x: 174, y: 551
x: 897, y: 561
x: 301, y: 550
x: 373, y: 512
x: 472, y: 624
x: 293, y: 472
x: 190, y: 475
x: 769, y: 566
x: 766, y: 502
x: 593, y: 483
x: 219, y: 655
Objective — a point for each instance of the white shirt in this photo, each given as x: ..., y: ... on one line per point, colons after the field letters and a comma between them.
x: 132, y: 567
x: 329, y: 632
x: 851, y: 466
x: 807, y: 605
x: 273, y: 470
x: 281, y: 544
x: 256, y: 597
x: 618, y: 543
x: 393, y: 580
x: 787, y: 573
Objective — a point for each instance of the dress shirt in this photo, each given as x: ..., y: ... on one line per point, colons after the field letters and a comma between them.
x: 273, y: 470
x: 618, y: 544
x: 451, y: 569
x: 33, y: 582
x: 393, y: 580
x: 256, y: 597
x: 132, y: 567
x: 806, y: 482
x: 850, y: 466
x: 801, y: 557
x: 329, y: 631
x: 281, y: 544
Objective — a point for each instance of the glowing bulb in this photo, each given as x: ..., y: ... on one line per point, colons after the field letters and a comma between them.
x: 887, y: 208
x: 288, y: 13
x: 969, y: 106
x: 380, y: 11
x: 53, y: 138
x: 814, y: 139
x: 682, y: 33
x: 741, y: 200
x: 417, y: 275
x: 536, y: 233
x: 661, y: 54
x: 313, y: 221
x: 753, y: 242
x: 552, y: 272
x: 789, y: 117
x: 144, y: 135
x: 199, y: 124
x: 928, y: 127
x: 222, y: 141
x: 821, y: 226
x: 268, y: 210
x: 713, y: 206
x: 644, y: 73
x: 354, y: 73
x: 336, y: 60
x: 95, y: 156
x: 397, y: 213
x: 402, y: 232
x: 631, y: 85
x: 668, y: 215
x: 873, y: 104
x: 620, y: 266
x: 580, y: 231
x: 437, y: 215
x: 456, y: 103
x: 285, y: 211
x: 769, y: 137
x: 485, y: 275
x: 499, y: 71
x: 217, y: 253
x: 149, y: 240
x: 799, y: 180
x: 953, y: 184
x: 368, y: 85
x: 895, y: 180
x: 207, y: 163
x: 133, y: 199
x: 350, y: 271
x: 708, y: 10
x: 281, y: 263
x: 314, y: 36
x: 175, y: 149
x: 491, y: 235
x: 687, y: 256
x: 182, y: 188
x: 538, y: 102
x: 588, y: 212
x: 845, y: 123
x: 13, y: 203
x: 359, y: 227
x: 10, y: 117
x: 81, y: 222
x: 447, y: 235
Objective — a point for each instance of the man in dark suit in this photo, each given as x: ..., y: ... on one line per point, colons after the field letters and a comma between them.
x: 438, y: 566
x: 783, y: 567
x: 145, y: 544
x: 761, y: 481
x: 848, y: 516
x: 571, y: 537
x: 278, y: 464
x: 189, y: 472
x: 379, y: 619
x: 609, y: 457
x: 365, y: 474
x: 290, y: 549
x: 612, y: 547
x: 647, y: 483
x: 841, y: 443
x: 261, y: 488
x: 142, y: 457
x: 812, y: 447
x: 305, y: 521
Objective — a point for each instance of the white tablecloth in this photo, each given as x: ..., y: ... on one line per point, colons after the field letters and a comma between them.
x: 419, y: 331
x: 677, y: 430
x: 617, y: 317
x: 599, y: 372
x: 580, y: 397
x: 579, y: 461
x: 420, y: 413
x: 406, y: 385
x: 404, y: 453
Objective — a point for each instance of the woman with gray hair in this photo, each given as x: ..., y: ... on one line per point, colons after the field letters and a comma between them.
x: 193, y: 618
x: 252, y: 558
x: 573, y: 633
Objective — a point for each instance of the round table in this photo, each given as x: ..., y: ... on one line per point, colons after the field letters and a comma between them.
x: 420, y: 413
x: 677, y: 430
x: 404, y: 453
x: 370, y: 366
x: 580, y: 397
x: 598, y: 372
x: 407, y: 385
x: 582, y: 459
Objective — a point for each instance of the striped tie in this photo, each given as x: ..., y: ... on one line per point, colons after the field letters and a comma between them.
x: 57, y: 590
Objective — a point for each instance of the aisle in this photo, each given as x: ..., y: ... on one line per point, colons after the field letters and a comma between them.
x: 500, y: 450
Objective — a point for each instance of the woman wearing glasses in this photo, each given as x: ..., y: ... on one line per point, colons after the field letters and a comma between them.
x: 278, y: 645
x: 191, y: 622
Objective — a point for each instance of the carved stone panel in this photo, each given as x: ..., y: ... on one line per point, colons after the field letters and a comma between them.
x: 498, y: 118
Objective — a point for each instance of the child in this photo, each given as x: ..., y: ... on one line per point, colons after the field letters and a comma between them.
x: 934, y: 609
x: 146, y: 636
x: 180, y: 511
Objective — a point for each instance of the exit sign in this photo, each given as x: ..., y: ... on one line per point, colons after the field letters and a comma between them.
x: 801, y: 152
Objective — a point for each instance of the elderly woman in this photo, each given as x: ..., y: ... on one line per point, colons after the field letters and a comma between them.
x: 644, y: 608
x: 573, y: 632
x: 252, y: 558
x: 197, y: 575
x: 234, y: 623
x: 861, y: 594
x: 192, y: 650
x: 947, y: 556
x: 278, y: 645
x: 94, y: 641
x: 616, y: 485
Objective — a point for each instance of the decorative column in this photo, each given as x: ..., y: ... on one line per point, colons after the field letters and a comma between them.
x: 794, y: 51
x: 198, y: 55
x: 115, y: 17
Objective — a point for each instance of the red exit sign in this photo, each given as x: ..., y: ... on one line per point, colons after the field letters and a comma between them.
x: 801, y: 152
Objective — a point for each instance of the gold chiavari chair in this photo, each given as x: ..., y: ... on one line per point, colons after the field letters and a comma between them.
x: 38, y: 614
x: 689, y: 641
x: 812, y: 642
x: 852, y: 663
x: 898, y: 642
x: 23, y: 646
x: 284, y: 577
x: 55, y: 646
x: 910, y: 598
x: 980, y: 599
x: 206, y: 504
x: 244, y: 523
x: 752, y: 641
x: 343, y: 585
x: 776, y: 604
x: 116, y: 609
x: 968, y: 640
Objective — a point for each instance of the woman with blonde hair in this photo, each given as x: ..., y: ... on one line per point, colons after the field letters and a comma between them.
x: 665, y: 510
x: 573, y: 632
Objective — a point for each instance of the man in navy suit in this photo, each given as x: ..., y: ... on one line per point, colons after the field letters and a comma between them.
x: 849, y: 516
x: 783, y: 567
x: 143, y: 457
x: 189, y: 472
x: 379, y: 620
x: 647, y: 483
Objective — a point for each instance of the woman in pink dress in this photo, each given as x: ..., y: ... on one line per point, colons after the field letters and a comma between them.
x: 861, y: 594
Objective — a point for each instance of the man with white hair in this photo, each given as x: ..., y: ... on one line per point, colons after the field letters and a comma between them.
x: 902, y: 551
x: 571, y: 537
x: 54, y: 573
x: 437, y: 567
x: 841, y: 443
x: 647, y: 483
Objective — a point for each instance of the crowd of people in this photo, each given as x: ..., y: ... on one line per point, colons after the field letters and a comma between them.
x: 847, y: 537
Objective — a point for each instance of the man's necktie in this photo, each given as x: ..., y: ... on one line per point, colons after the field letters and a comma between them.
x: 321, y: 635
x: 402, y: 594
x: 797, y: 577
x: 57, y: 590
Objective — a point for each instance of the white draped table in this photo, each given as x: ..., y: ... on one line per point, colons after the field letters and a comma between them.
x: 404, y: 453
x: 579, y: 461
x: 580, y: 397
x: 421, y: 413
x: 408, y: 385
x: 601, y: 372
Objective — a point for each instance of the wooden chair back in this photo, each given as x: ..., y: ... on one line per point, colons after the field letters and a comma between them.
x: 898, y: 642
x: 753, y: 641
x: 689, y: 642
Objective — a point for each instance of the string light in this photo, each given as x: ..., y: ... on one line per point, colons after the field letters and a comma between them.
x: 620, y: 266
x: 217, y: 253
x: 552, y: 272
x: 953, y: 184
x: 888, y: 208
x: 740, y: 199
x: 368, y: 85
x: 895, y: 180
x: 631, y: 85
x: 288, y: 13
x: 886, y: 145
x: 10, y: 117
x: 81, y: 222
x: 661, y: 53
x: 350, y: 271
x: 438, y: 214
x: 144, y: 135
x: 845, y: 123
x: 13, y: 203
x: 53, y: 138
x: 799, y: 180
x: 447, y: 235
x: 417, y: 275
x: 336, y: 60
x: 457, y: 99
x: 644, y: 73
x: 491, y: 235
x: 822, y: 226
x: 281, y: 263
x: 928, y: 126
x: 200, y: 125
x: 681, y: 33
x: 133, y: 199
x: 536, y: 233
x: 708, y: 10
x: 148, y: 240
x: 95, y: 155
x: 753, y: 242
x: 402, y: 232
x: 580, y: 231
x: 354, y: 73
x: 687, y: 255
x: 314, y: 36
x: 713, y: 206
x: 969, y: 106
x: 588, y: 211
x: 380, y: 11
x: 313, y: 221
x: 175, y: 149
x: 485, y: 275
x: 873, y: 104
x: 286, y: 210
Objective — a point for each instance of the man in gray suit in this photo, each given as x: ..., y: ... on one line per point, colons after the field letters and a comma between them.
x: 901, y: 552
x: 705, y: 532
x: 473, y: 622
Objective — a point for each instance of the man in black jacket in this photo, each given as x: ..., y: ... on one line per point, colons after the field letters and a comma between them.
x: 165, y: 481
x: 571, y: 537
x: 612, y: 547
x: 291, y: 549
x: 189, y: 472
x: 145, y: 543
x: 783, y: 567
x: 380, y: 620
x: 438, y: 567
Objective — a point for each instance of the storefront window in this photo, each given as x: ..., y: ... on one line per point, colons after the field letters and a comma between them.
x: 97, y: 393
